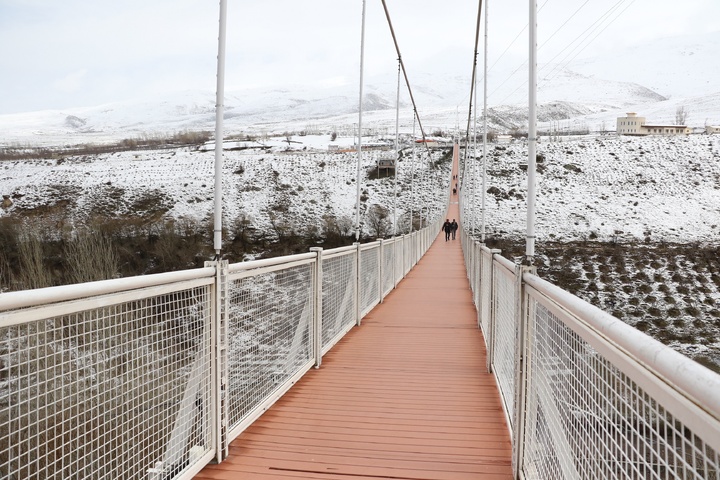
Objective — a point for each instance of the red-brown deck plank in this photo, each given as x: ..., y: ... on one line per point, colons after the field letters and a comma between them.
x: 404, y: 396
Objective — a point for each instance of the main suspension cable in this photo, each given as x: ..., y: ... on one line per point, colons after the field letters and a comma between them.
x: 407, y: 82
x: 474, y: 74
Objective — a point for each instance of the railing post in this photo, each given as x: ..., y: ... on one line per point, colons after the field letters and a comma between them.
x: 317, y: 306
x: 416, y: 241
x: 357, y: 285
x: 471, y: 240
x: 380, y: 269
x: 489, y: 284
x: 522, y: 365
x: 218, y: 342
x: 395, y: 260
x: 477, y: 266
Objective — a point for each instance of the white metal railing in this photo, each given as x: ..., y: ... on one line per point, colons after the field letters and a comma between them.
x: 151, y: 377
x: 388, y: 266
x: 108, y: 379
x: 368, y: 277
x: 586, y: 395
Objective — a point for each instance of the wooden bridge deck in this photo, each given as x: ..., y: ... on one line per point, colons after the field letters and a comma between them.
x: 404, y: 396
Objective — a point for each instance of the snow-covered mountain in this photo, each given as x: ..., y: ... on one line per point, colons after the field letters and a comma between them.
x: 652, y: 79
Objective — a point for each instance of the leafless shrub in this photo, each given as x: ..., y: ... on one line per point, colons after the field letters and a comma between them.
x: 33, y: 273
x: 90, y: 256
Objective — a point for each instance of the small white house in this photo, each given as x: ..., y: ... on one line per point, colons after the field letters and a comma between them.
x: 710, y: 129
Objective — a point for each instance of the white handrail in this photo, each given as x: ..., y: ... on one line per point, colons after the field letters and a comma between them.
x: 42, y: 296
x: 268, y: 262
x: 700, y: 384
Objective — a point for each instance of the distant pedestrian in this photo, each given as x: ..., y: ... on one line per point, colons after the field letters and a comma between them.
x: 447, y: 228
x: 454, y: 227
x: 454, y: 191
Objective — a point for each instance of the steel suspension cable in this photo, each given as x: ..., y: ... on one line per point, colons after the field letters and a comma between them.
x: 596, y: 24
x: 474, y: 74
x: 473, y: 99
x: 407, y: 82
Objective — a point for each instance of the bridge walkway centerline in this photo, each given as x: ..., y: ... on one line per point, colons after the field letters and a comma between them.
x: 404, y: 396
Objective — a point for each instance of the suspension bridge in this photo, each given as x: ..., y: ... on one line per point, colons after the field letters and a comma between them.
x: 406, y: 395
x: 414, y: 357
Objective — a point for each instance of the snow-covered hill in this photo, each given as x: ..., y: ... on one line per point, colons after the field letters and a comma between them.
x: 297, y: 182
x: 640, y: 191
x: 610, y: 188
x: 652, y: 79
x: 603, y: 187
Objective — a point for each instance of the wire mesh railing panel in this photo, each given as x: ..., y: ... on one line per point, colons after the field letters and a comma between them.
x: 588, y: 419
x: 369, y: 275
x: 388, y: 270
x: 111, y: 392
x: 399, y: 255
x: 269, y: 335
x: 338, y: 295
x: 408, y: 244
x: 475, y: 273
x: 485, y: 290
x: 467, y: 245
x: 505, y: 336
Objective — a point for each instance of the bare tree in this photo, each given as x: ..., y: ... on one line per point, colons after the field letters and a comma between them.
x: 378, y: 221
x: 681, y: 116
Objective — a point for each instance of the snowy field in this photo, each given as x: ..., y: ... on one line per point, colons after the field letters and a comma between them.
x: 640, y: 192
x: 608, y: 188
x: 298, y: 180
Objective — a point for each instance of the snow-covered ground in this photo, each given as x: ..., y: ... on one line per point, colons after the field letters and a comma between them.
x: 605, y: 187
x: 639, y: 191
x: 609, y: 188
x: 298, y: 180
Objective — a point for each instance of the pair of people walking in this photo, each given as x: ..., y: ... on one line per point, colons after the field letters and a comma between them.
x: 449, y: 228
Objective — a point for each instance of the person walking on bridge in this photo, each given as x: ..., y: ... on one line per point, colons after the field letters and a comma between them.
x: 447, y: 228
x: 454, y: 226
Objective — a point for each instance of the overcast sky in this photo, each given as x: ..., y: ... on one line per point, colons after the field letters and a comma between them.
x: 74, y: 53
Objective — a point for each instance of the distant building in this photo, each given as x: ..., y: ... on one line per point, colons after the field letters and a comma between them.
x: 710, y: 129
x: 386, y: 160
x: 634, y: 125
x: 431, y: 143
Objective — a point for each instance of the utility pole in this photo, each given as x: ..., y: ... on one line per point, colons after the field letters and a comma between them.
x: 532, y: 135
x: 360, y: 110
x: 397, y: 151
x: 412, y: 178
x: 484, y: 173
x: 219, y: 109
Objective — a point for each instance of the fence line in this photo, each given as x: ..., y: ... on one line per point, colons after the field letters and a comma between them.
x: 586, y: 395
x: 153, y: 376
